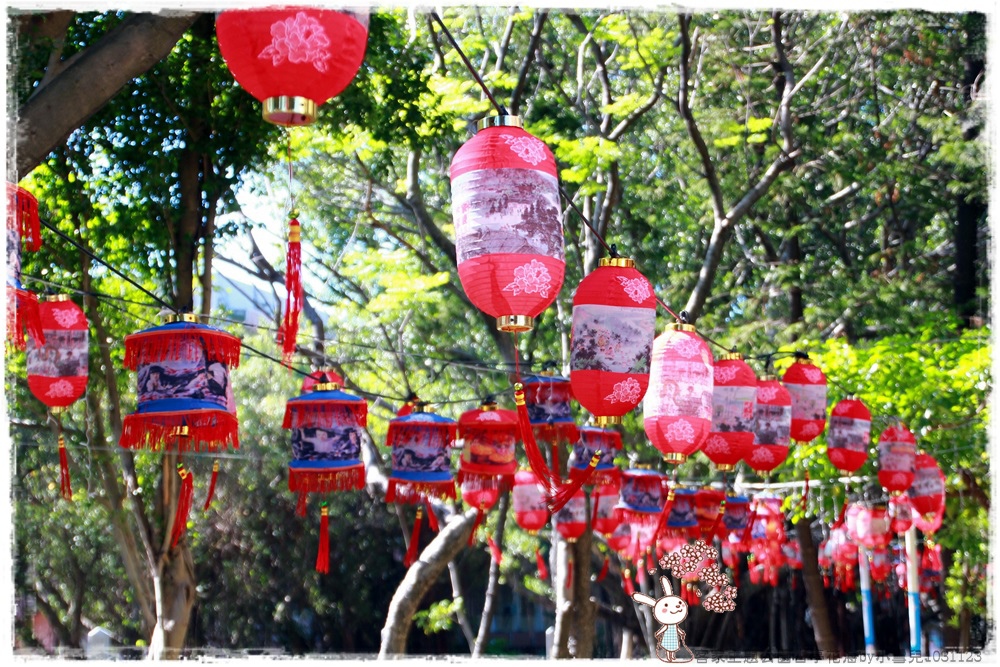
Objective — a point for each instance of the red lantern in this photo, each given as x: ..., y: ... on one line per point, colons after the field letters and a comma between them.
x: 707, y: 509
x: 185, y: 398
x: 868, y: 527
x: 792, y: 553
x: 530, y: 510
x: 488, y: 462
x: 677, y: 411
x: 22, y: 306
x: 897, y: 452
x: 620, y: 539
x: 878, y: 564
x: 57, y: 369
x: 807, y: 386
x: 772, y: 425
x: 900, y: 513
x: 734, y: 398
x: 293, y: 59
x: 571, y: 520
x: 931, y: 567
x: 609, y: 443
x: 850, y: 435
x: 614, y: 322
x: 769, y: 520
x: 508, y: 224
x: 845, y: 559
x: 641, y: 497
x: 927, y: 491
x: 421, y: 442
x: 605, y: 520
x: 931, y: 521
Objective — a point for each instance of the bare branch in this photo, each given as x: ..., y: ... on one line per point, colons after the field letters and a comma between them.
x: 529, y: 57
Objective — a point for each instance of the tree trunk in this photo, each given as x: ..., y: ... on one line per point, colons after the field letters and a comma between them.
x: 582, y: 612
x: 494, y: 582
x: 825, y: 639
x: 564, y: 596
x: 185, y: 241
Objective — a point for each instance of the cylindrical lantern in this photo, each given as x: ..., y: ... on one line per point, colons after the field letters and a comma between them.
x: 508, y: 223
x: 772, y: 425
x: 57, y: 369
x: 293, y: 59
x: 734, y: 399
x: 605, y: 520
x: 869, y: 527
x: 927, y: 491
x: 571, y: 520
x: 792, y: 553
x: 900, y: 513
x: 609, y: 443
x: 850, y: 435
x: 897, y: 453
x: 488, y: 461
x: 807, y: 386
x: 641, y: 497
x: 677, y: 410
x: 23, y: 225
x: 185, y: 399
x: 530, y: 510
x: 614, y: 322
x: 420, y: 443
x: 682, y: 510
x: 547, y: 398
x: 327, y: 426
x: 707, y: 505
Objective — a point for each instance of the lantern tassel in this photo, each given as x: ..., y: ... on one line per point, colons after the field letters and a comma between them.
x: 432, y: 520
x: 543, y: 570
x: 183, y: 504
x: 293, y: 288
x: 554, y: 448
x: 475, y: 526
x: 411, y: 552
x: 323, y: 556
x: 745, y: 539
x: 64, y: 483
x: 211, y: 485
x: 577, y: 478
x: 494, y: 550
x: 300, y: 505
x: 535, y: 459
x: 627, y: 583
x: 604, y: 569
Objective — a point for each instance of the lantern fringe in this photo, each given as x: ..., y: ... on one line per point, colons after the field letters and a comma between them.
x: 606, y: 477
x: 301, y: 504
x: 64, y: 482
x: 211, y: 485
x: 745, y: 538
x: 411, y: 493
x: 637, y: 519
x: 475, y: 481
x: 209, y: 430
x: 326, y: 480
x: 535, y: 459
x: 543, y: 570
x: 494, y: 550
x: 475, y: 526
x: 183, y: 505
x: 317, y: 413
x: 323, y: 556
x: 604, y: 569
x: 293, y: 288
x: 23, y: 314
x: 146, y: 347
x: 577, y: 478
x: 432, y: 519
x: 411, y: 551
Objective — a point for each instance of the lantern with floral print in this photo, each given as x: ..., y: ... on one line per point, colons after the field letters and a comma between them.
x: 708, y: 508
x: 489, y: 437
x: 850, y: 435
x: 897, y: 453
x: 641, y: 497
x: 23, y: 225
x: 677, y: 410
x: 614, y: 322
x: 734, y: 398
x: 772, y: 424
x: 421, y: 442
x: 293, y: 59
x: 605, y: 520
x: 807, y: 386
x: 571, y: 520
x: 900, y: 513
x: 593, y: 440
x: 927, y: 491
x: 508, y: 226
x: 530, y: 510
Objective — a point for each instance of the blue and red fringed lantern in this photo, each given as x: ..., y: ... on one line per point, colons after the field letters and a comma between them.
x: 185, y: 398
x: 682, y: 520
x: 545, y: 414
x: 850, y: 435
x: 709, y: 505
x: 528, y: 496
x: 23, y: 226
x: 603, y: 518
x: 734, y: 399
x: 677, y: 410
x: 641, y: 498
x: 592, y: 440
x: 772, y: 426
x: 421, y: 467
x: 614, y: 323
x: 488, y: 461
x: 897, y: 453
x: 570, y: 521
x: 508, y: 223
x: 736, y: 516
x: 807, y: 386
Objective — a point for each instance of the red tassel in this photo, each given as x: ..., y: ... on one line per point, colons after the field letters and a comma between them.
x: 432, y: 519
x: 569, y: 575
x: 745, y: 539
x: 840, y: 519
x: 543, y: 570
x: 494, y: 550
x: 627, y: 583
x: 535, y: 459
x: 475, y: 526
x: 183, y: 504
x: 300, y: 505
x: 211, y: 485
x: 664, y: 515
x: 604, y: 570
x: 293, y: 288
x: 64, y: 487
x: 554, y: 448
x: 323, y: 557
x: 411, y: 553
x: 805, y: 494
x: 577, y: 478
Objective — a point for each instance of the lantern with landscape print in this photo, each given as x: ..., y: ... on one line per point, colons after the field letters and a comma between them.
x: 734, y: 398
x: 530, y: 510
x: 772, y: 424
x: 421, y: 464
x: 708, y: 509
x: 23, y: 226
x: 677, y: 410
x: 604, y: 518
x: 850, y: 435
x: 641, y: 498
x: 547, y: 398
x: 897, y: 453
x: 620, y: 539
x: 488, y: 462
x: 614, y: 322
x: 736, y: 516
x: 571, y: 520
x: 293, y: 59
x: 508, y: 223
x: 593, y: 440
x: 681, y: 519
x: 806, y: 384
x: 927, y: 490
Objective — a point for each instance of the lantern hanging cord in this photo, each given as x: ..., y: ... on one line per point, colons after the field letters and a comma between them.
x: 501, y: 109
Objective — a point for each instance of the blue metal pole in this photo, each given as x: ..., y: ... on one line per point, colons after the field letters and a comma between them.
x: 867, y: 609
x: 913, y: 590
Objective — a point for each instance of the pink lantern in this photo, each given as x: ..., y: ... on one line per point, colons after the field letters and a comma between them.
x: 927, y: 491
x: 772, y: 424
x: 807, y: 386
x: 897, y: 452
x: 530, y: 510
x: 605, y: 519
x: 571, y: 520
x: 508, y: 223
x: 878, y: 564
x: 900, y: 513
x: 734, y: 399
x: 677, y: 411
x: 850, y: 435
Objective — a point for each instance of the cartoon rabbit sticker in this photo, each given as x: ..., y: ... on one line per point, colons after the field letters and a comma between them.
x: 669, y: 611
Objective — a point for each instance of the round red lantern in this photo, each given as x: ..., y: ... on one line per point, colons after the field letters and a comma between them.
x: 677, y: 410
x: 571, y: 520
x: 641, y: 497
x: 488, y: 462
x: 927, y: 491
x: 620, y: 539
x: 878, y: 564
x: 807, y: 386
x: 734, y: 399
x: 293, y: 59
x: 707, y: 509
x: 897, y: 453
x: 421, y: 466
x: 900, y: 513
x: 609, y: 443
x: 605, y: 520
x: 508, y: 223
x: 57, y: 369
x: 185, y: 398
x: 23, y: 225
x: 614, y: 322
x: 850, y: 435
x: 530, y: 510
x: 931, y: 521
x: 772, y: 425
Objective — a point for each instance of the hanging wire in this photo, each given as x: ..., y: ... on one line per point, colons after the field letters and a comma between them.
x: 468, y: 65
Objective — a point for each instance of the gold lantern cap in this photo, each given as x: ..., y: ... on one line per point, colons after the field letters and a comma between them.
x: 170, y: 318
x: 503, y: 120
x: 621, y: 262
x: 681, y: 326
x: 731, y: 356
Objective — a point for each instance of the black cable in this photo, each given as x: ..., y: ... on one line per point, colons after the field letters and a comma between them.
x: 469, y: 66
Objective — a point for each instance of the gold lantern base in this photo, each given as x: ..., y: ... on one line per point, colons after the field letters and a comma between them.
x: 725, y: 467
x: 674, y: 457
x: 603, y: 421
x: 515, y: 323
x: 290, y: 111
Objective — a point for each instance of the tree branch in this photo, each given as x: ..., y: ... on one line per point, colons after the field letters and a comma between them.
x: 529, y: 57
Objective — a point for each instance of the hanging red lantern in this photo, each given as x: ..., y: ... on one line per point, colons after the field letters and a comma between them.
x: 488, y: 461
x: 792, y: 552
x: 931, y: 567
x: 677, y: 410
x: 931, y: 521
x: 571, y: 520
x: 708, y: 510
x: 807, y: 386
x: 897, y: 453
x: 900, y: 513
x: 769, y: 520
x: 845, y: 559
x: 185, y: 401
x: 593, y: 440
x: 734, y: 398
x: 641, y: 498
x: 868, y: 527
x: 614, y: 322
x: 620, y: 539
x: 927, y: 490
x: 878, y: 564
x: 850, y: 435
x: 23, y: 226
x: 508, y: 223
x: 772, y: 425
x: 421, y: 467
x: 292, y: 59
x: 530, y: 510
x: 605, y: 520
x: 57, y: 369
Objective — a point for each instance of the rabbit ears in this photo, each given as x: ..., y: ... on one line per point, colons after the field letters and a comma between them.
x: 665, y: 583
